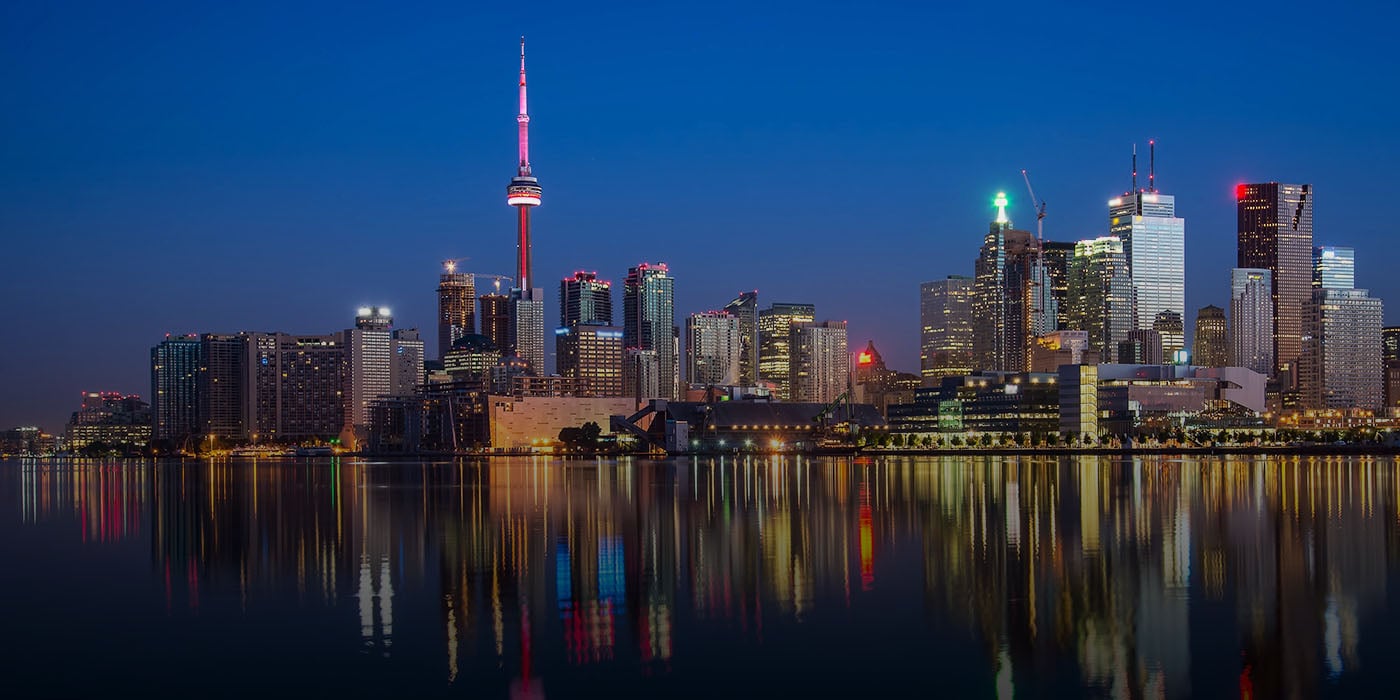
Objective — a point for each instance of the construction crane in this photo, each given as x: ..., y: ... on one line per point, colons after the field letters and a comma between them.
x: 1038, y: 311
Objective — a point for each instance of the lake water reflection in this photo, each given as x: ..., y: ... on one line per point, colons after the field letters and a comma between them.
x: 767, y: 576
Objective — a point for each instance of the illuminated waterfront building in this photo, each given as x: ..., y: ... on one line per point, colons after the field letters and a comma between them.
x: 1003, y: 303
x: 175, y: 365
x: 368, y: 358
x: 649, y: 322
x: 456, y: 307
x: 585, y: 299
x: 775, y: 343
x: 1100, y: 297
x: 945, y: 338
x: 1057, y: 256
x: 641, y: 374
x: 713, y: 349
x: 1342, y: 362
x: 1172, y: 329
x: 1212, y: 346
x: 495, y: 319
x: 1390, y: 356
x: 223, y: 409
x: 1252, y: 319
x: 1276, y: 234
x: 1334, y: 267
x: 745, y: 308
x: 110, y: 419
x: 1143, y: 347
x: 820, y: 364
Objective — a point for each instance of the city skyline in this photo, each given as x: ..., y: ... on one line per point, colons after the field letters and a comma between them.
x: 224, y: 253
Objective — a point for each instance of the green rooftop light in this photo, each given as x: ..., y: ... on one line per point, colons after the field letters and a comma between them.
x: 1000, y: 202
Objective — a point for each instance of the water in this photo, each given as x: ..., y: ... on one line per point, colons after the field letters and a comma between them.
x: 960, y: 577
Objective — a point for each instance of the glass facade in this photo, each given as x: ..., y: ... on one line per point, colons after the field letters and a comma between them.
x: 1275, y: 234
x: 1252, y: 319
x: 775, y: 343
x: 745, y: 308
x: 1100, y: 298
x: 713, y: 349
x: 945, y: 339
x: 1341, y: 364
x: 1334, y: 267
x: 1154, y: 243
x: 649, y: 321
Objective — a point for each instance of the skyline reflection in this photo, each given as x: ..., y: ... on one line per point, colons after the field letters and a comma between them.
x: 1139, y: 577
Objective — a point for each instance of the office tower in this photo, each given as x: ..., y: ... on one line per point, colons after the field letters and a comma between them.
x: 1100, y: 296
x: 221, y: 386
x: 1142, y: 347
x: 1154, y: 243
x: 368, y: 355
x: 713, y: 349
x: 592, y: 354
x: 471, y: 357
x: 527, y: 327
x: 648, y: 302
x: 1390, y: 344
x: 1172, y: 328
x: 309, y: 376
x: 1275, y: 234
x: 495, y: 319
x: 111, y: 420
x: 1212, y: 346
x: 1003, y: 298
x: 775, y: 344
x: 820, y: 361
x: 585, y: 299
x: 1057, y: 256
x: 456, y: 306
x: 945, y: 338
x: 641, y: 373
x: 1334, y: 267
x: 406, y: 362
x: 175, y: 364
x: 1252, y: 319
x: 1341, y: 362
x: 745, y: 308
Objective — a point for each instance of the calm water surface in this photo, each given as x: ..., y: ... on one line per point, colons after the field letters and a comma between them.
x: 749, y: 577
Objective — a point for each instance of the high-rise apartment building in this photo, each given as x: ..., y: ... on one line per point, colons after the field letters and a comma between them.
x: 1390, y: 358
x: 1004, y: 296
x: 713, y: 349
x: 1212, y: 346
x: 1154, y: 243
x: 945, y: 338
x: 527, y: 327
x: 745, y: 308
x: 1334, y: 267
x: 649, y: 321
x: 370, y: 372
x: 456, y: 307
x: 406, y: 361
x: 1100, y: 296
x: 223, y: 368
x: 175, y: 365
x: 1057, y: 256
x: 775, y: 343
x: 585, y: 299
x: 1276, y: 234
x: 495, y: 320
x: 1341, y: 365
x: 1252, y: 319
x: 592, y: 354
x: 820, y: 361
x: 641, y: 374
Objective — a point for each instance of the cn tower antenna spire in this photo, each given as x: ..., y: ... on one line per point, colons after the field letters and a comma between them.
x: 523, y: 193
x: 523, y: 118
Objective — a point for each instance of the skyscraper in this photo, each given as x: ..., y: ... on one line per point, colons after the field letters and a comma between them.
x: 405, y: 361
x: 1002, y: 300
x: 222, y: 387
x: 1252, y: 319
x: 641, y: 374
x: 649, y: 319
x: 1100, y: 296
x: 1341, y: 363
x: 368, y: 355
x: 1275, y: 234
x: 945, y: 339
x: 745, y: 308
x: 713, y: 349
x: 1057, y: 255
x: 775, y: 343
x: 527, y: 302
x: 1334, y: 267
x: 495, y: 320
x: 585, y: 299
x: 820, y: 361
x: 1390, y: 356
x: 456, y: 306
x: 1154, y: 243
x: 175, y: 365
x: 1212, y: 346
x: 1172, y: 327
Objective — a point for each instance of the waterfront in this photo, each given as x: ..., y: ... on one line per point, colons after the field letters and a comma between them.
x: 972, y: 576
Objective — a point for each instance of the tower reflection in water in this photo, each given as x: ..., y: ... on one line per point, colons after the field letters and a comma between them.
x: 1097, y: 565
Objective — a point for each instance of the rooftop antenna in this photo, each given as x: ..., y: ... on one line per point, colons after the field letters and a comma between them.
x: 1151, y: 165
x: 1135, y: 168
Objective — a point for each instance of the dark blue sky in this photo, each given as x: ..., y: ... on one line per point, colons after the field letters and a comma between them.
x: 176, y: 166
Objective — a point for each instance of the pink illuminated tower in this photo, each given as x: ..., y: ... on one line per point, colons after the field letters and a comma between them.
x: 524, y: 190
x: 527, y: 302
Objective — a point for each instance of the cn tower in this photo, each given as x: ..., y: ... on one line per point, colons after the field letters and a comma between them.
x: 524, y: 190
